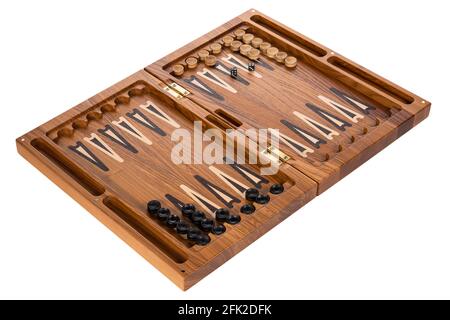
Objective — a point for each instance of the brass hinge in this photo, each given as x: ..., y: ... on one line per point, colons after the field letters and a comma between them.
x: 176, y: 91
x: 276, y: 155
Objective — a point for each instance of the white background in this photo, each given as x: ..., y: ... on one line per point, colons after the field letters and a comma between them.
x: 382, y: 232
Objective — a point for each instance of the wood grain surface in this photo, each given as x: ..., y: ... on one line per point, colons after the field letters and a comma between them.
x: 112, y: 153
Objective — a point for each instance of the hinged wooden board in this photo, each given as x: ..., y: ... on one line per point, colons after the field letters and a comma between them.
x: 113, y: 152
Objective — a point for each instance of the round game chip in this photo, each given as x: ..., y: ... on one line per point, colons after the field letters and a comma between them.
x: 172, y: 221
x: 256, y: 42
x: 222, y: 214
x: 202, y: 239
x: 218, y: 229
x: 207, y: 225
x: 163, y: 214
x: 290, y: 62
x: 182, y: 227
x: 178, y: 69
x: 153, y: 206
x: 271, y: 52
x: 233, y: 219
x: 216, y: 48
x: 202, y: 54
x: 245, y: 49
x: 280, y: 56
x: 211, y: 61
x: 191, y: 62
x: 262, y: 199
x: 247, y: 38
x: 251, y: 194
x: 227, y: 40
x: 235, y: 45
x: 248, y: 208
x: 193, y: 234
x: 276, y: 188
x: 197, y: 216
x: 239, y: 33
x: 264, y: 46
x: 188, y: 209
x: 254, y: 54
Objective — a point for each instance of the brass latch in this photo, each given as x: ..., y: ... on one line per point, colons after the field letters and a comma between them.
x: 176, y: 91
x: 275, y: 155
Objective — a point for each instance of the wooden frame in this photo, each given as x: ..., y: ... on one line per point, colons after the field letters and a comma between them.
x: 111, y: 191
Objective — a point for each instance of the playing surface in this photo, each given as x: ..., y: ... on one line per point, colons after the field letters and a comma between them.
x: 113, y: 152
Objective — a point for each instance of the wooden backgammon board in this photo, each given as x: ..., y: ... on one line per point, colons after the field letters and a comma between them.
x: 113, y: 152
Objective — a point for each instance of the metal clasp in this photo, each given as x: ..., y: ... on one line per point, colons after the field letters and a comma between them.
x: 276, y: 154
x: 176, y: 91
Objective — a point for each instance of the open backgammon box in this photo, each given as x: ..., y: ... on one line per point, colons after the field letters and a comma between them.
x: 115, y: 153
